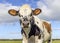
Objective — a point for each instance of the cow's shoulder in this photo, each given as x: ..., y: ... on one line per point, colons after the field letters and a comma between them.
x: 47, y: 26
x: 45, y: 23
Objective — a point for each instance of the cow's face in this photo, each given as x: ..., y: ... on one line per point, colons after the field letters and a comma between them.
x: 25, y: 14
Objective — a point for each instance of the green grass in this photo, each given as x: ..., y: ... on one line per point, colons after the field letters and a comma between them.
x: 10, y: 41
x: 19, y: 41
x: 56, y: 41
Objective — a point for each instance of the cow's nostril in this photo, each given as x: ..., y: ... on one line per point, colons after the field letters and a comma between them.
x: 23, y: 23
x: 27, y: 23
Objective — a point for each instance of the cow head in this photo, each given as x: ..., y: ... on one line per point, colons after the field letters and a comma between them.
x: 25, y: 14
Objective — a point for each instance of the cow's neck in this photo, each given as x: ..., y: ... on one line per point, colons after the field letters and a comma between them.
x: 33, y: 31
x: 26, y: 31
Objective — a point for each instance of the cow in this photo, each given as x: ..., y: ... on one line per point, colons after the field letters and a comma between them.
x: 34, y: 30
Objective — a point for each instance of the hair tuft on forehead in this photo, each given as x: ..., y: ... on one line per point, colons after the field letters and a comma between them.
x: 25, y: 10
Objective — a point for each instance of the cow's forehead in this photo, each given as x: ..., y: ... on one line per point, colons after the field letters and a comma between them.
x: 25, y: 10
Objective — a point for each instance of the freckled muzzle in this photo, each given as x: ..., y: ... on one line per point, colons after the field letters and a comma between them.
x: 25, y: 24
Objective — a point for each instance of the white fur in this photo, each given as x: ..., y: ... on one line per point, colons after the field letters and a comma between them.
x: 25, y: 10
x: 31, y: 39
x: 46, y: 34
x: 25, y: 40
x: 38, y: 40
x: 26, y: 30
x: 42, y: 28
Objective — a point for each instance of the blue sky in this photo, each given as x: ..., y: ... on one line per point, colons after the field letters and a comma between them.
x: 10, y: 26
x: 20, y: 2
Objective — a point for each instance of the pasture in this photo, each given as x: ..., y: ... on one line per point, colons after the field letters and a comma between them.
x: 10, y: 42
x: 20, y: 41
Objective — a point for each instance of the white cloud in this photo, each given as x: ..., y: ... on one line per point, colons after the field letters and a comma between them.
x: 50, y: 9
x: 4, y: 16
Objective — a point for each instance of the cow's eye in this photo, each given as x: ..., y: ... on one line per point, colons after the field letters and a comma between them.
x: 30, y: 15
x: 21, y: 15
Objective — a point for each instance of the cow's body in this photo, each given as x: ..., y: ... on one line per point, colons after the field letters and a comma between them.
x: 34, y: 30
x: 45, y: 35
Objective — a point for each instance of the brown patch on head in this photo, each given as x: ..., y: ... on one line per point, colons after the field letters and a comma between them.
x: 47, y: 26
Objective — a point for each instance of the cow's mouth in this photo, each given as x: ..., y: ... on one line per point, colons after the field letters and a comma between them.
x: 25, y: 26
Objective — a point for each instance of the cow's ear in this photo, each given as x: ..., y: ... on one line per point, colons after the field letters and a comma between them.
x: 36, y: 11
x: 13, y: 12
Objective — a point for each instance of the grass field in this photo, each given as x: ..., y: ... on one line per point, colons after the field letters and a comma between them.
x: 18, y: 41
x: 56, y: 41
x: 10, y: 42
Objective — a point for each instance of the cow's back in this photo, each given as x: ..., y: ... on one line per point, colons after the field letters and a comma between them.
x: 47, y: 26
x: 47, y: 30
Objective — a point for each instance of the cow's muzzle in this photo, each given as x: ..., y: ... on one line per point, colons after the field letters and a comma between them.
x: 25, y: 24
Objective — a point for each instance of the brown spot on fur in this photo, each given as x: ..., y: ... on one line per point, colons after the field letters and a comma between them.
x: 47, y: 26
